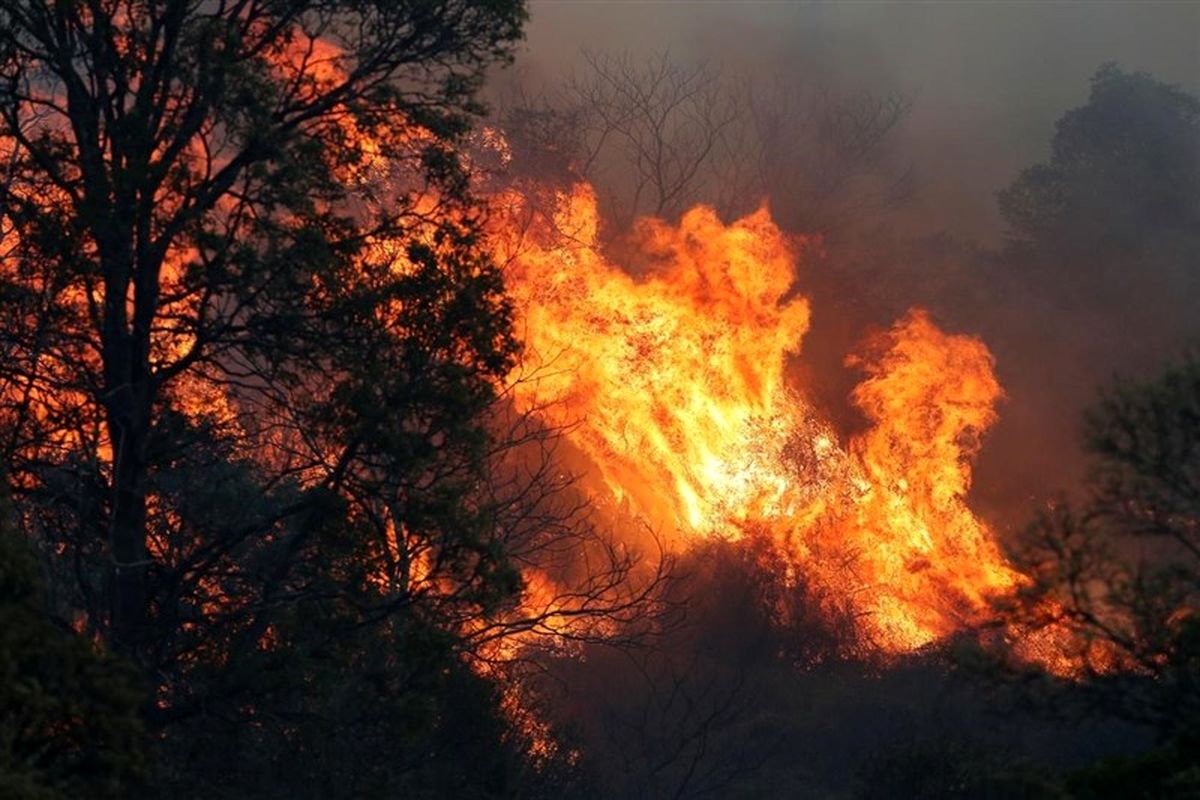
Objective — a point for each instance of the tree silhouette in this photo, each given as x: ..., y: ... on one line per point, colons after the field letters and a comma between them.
x: 1119, y: 575
x: 657, y: 136
x: 195, y: 211
x: 1122, y: 181
x: 69, y: 723
x: 252, y: 356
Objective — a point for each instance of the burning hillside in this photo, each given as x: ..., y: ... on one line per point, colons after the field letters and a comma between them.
x: 348, y: 450
x: 675, y: 384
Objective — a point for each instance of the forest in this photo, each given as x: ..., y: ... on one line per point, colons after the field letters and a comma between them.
x: 387, y: 413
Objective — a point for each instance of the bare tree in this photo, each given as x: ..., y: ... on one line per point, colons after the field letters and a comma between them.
x: 655, y: 137
x: 823, y: 155
x: 662, y: 120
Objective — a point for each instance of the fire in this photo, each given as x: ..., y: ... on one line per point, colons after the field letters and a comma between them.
x: 675, y: 385
x: 679, y: 376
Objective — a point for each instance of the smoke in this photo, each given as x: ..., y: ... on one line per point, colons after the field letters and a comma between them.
x: 987, y: 83
x: 744, y: 688
x: 989, y: 79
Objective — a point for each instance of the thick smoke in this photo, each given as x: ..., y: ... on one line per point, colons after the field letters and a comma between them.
x: 989, y: 80
x: 984, y: 85
x: 759, y: 685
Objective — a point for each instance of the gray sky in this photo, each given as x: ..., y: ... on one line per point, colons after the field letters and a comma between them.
x: 989, y: 78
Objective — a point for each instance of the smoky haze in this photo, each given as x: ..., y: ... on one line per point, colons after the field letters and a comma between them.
x: 988, y: 80
x: 985, y: 84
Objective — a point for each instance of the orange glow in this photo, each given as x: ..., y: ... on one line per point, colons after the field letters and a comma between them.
x: 673, y: 380
x: 675, y: 385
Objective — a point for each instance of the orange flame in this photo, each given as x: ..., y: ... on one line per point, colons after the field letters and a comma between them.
x: 675, y: 386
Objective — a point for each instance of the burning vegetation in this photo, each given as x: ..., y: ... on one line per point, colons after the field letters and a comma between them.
x: 675, y: 386
x: 347, y: 441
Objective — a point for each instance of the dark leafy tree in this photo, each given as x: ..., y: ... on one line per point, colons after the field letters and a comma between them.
x: 1107, y: 231
x: 1122, y: 185
x: 197, y: 211
x: 252, y: 354
x: 1098, y: 275
x: 69, y: 714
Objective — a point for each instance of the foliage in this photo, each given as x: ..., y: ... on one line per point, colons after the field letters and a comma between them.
x: 1122, y: 574
x: 1168, y: 773
x: 1121, y: 191
x: 252, y: 353
x: 240, y: 247
x: 954, y: 770
x: 1116, y: 585
x: 70, y: 722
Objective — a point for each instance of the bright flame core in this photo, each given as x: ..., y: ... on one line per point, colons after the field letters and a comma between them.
x: 674, y: 384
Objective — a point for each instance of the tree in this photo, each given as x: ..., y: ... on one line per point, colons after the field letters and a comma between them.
x: 656, y: 137
x: 1119, y: 194
x: 666, y: 121
x: 191, y: 212
x: 254, y: 388
x: 252, y: 356
x: 1119, y: 578
x: 1112, y: 219
x: 1102, y: 239
x: 69, y: 722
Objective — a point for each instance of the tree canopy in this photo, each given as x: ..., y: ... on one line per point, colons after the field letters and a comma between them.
x: 1121, y: 189
x: 69, y: 715
x: 251, y: 351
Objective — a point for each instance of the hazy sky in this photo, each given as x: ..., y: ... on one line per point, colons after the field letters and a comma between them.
x: 988, y: 79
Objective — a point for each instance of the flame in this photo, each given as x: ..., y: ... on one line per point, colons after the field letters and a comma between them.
x: 675, y: 385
